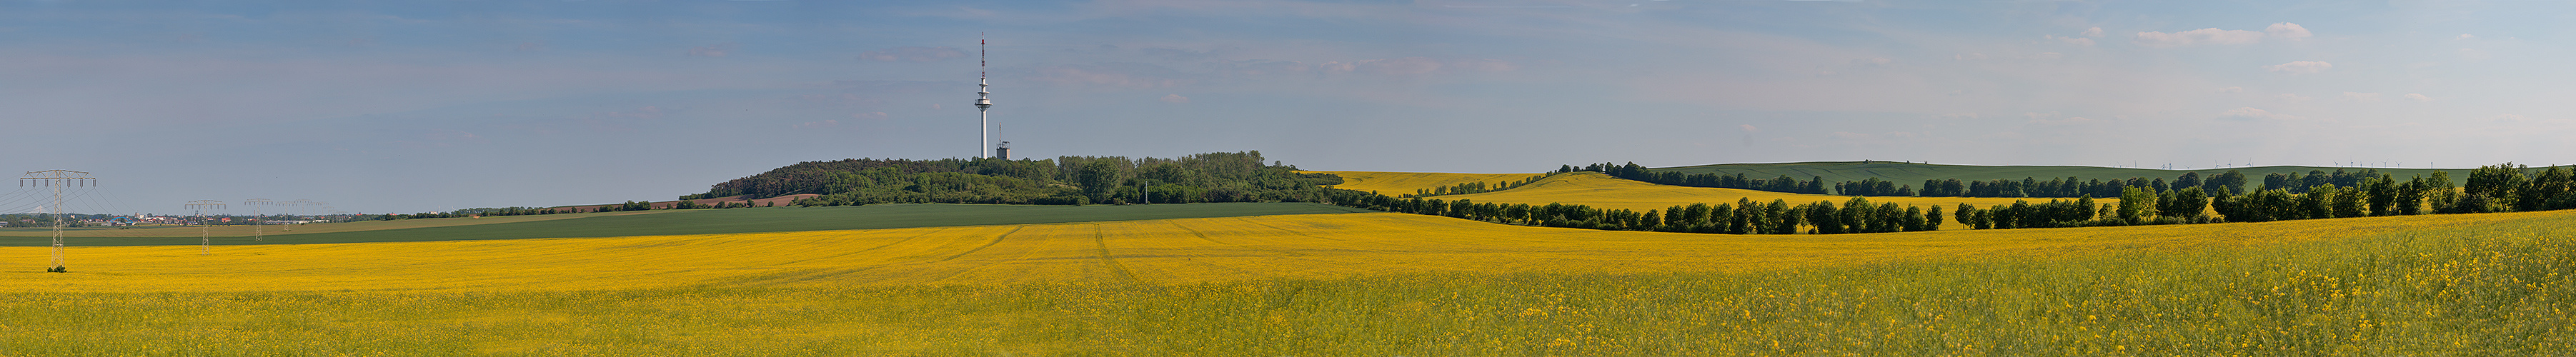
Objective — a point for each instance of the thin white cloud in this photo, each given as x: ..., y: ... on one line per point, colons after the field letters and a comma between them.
x: 1400, y: 66
x: 2232, y: 90
x: 913, y: 54
x: 1485, y: 65
x: 2068, y: 121
x: 2465, y: 37
x: 2078, y: 41
x: 818, y: 124
x: 2300, y: 67
x: 2293, y: 97
x: 1851, y: 136
x: 2361, y: 97
x: 2253, y: 114
x: 2418, y: 97
x: 2093, y: 32
x: 2289, y: 31
x: 1749, y: 128
x: 1120, y: 75
x: 2201, y: 36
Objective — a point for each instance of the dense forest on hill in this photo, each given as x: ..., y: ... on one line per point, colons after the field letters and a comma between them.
x: 1068, y: 180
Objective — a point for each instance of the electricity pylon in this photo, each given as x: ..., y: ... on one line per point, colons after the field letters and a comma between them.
x: 204, y: 239
x: 255, y: 217
x: 58, y: 179
x: 293, y: 214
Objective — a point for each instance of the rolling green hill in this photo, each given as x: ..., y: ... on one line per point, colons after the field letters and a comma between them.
x: 1914, y: 173
x: 741, y: 220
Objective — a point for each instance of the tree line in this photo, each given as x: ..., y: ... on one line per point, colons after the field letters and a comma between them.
x: 2187, y: 200
x: 1632, y: 171
x: 1471, y: 187
x: 2494, y: 188
x: 2231, y: 182
x: 1744, y: 216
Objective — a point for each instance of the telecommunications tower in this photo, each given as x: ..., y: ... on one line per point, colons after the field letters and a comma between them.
x: 983, y: 97
x: 58, y: 179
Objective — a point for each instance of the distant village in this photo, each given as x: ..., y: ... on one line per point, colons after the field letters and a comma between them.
x: 101, y: 220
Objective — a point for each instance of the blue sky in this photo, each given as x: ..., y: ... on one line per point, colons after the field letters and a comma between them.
x: 426, y: 106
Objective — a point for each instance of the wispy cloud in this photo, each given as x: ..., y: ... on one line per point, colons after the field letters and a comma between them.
x: 2253, y: 114
x: 913, y: 54
x: 2300, y: 67
x: 2201, y: 36
x: 2288, y: 31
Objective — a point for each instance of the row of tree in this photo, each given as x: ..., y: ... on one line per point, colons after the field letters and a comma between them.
x: 2188, y: 200
x: 2231, y: 182
x: 521, y: 211
x: 1471, y: 187
x: 1742, y: 217
x: 1632, y: 171
x: 508, y: 211
x: 2341, y: 194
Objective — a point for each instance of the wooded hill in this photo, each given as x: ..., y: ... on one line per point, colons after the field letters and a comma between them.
x: 1068, y: 180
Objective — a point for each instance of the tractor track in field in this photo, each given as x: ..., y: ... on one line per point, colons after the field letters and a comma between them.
x: 1204, y: 236
x: 1100, y: 240
x: 996, y: 240
x: 822, y: 272
x: 1303, y: 234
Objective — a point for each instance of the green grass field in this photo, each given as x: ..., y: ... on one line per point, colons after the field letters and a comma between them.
x: 715, y: 221
x: 1914, y: 174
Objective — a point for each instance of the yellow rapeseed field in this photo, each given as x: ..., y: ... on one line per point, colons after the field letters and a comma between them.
x: 1342, y: 284
x: 1156, y: 252
x: 1397, y: 183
